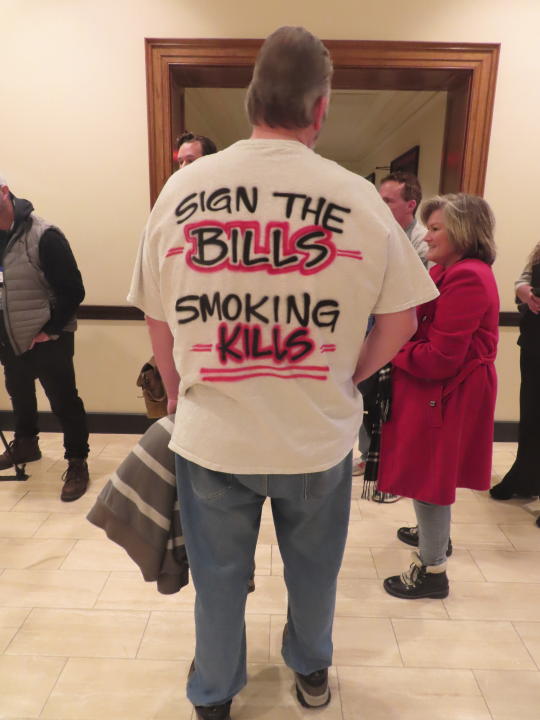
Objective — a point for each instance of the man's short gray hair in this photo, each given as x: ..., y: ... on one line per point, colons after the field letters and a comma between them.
x: 292, y: 71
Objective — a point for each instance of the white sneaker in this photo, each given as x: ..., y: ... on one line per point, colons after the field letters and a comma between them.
x: 359, y: 467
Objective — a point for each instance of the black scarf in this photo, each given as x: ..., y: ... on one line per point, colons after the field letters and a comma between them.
x: 383, y: 404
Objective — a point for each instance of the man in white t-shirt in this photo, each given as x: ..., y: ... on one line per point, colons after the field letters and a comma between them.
x: 257, y: 272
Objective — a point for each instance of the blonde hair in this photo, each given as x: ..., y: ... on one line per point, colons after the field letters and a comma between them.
x: 469, y: 222
x: 292, y: 71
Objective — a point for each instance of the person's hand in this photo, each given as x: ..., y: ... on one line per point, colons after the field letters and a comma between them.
x: 40, y: 337
x: 534, y: 304
x: 526, y: 295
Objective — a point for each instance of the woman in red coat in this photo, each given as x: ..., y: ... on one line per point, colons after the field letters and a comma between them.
x: 440, y: 433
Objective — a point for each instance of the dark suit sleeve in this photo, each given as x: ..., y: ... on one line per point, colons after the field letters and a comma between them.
x: 61, y: 272
x: 459, y: 310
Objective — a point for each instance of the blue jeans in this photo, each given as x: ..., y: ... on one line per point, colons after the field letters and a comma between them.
x: 220, y: 516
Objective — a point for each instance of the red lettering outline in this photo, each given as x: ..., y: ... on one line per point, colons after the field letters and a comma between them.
x: 262, y: 246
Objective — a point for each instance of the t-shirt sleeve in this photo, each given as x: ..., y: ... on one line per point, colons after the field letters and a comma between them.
x: 406, y: 282
x: 144, y: 291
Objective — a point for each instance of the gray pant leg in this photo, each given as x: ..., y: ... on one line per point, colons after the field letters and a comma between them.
x: 433, y: 531
x: 363, y: 441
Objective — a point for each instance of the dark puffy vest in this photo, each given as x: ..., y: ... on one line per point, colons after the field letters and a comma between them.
x: 28, y: 297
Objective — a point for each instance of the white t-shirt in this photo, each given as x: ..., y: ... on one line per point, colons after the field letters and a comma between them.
x: 266, y: 261
x: 416, y: 233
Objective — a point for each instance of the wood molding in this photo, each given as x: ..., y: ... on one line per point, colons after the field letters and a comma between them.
x: 509, y: 319
x: 126, y: 312
x: 506, y: 431
x: 98, y: 422
x: 357, y: 64
x: 109, y: 312
x: 137, y: 424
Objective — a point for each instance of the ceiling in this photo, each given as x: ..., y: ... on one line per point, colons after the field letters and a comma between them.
x: 359, y: 121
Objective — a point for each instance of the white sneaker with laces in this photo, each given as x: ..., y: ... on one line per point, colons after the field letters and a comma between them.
x: 359, y: 467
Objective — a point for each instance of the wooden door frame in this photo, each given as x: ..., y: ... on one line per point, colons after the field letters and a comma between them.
x: 467, y: 71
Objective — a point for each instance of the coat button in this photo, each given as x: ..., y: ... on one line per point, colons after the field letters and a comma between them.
x: 424, y: 318
x: 433, y: 403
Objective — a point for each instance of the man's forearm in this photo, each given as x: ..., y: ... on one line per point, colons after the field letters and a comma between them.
x: 390, y: 332
x: 162, y: 346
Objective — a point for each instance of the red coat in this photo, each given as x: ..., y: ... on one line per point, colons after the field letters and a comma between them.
x: 440, y: 432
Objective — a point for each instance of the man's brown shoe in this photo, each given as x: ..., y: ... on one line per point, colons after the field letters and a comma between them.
x: 75, y: 479
x: 22, y: 450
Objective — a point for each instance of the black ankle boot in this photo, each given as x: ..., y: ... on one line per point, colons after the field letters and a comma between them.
x: 409, y: 535
x: 512, y: 485
x: 419, y: 581
x: 501, y: 491
x: 506, y: 490
x: 215, y: 712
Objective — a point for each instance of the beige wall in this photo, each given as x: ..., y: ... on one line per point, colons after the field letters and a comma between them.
x: 74, y: 136
x: 508, y: 375
x: 109, y: 357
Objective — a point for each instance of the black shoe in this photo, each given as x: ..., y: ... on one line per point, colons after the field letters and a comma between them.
x: 214, y: 712
x: 504, y: 491
x: 22, y: 450
x: 409, y: 535
x: 312, y: 690
x: 419, y: 581
x: 76, y: 479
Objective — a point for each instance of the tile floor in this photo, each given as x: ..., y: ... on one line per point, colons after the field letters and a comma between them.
x: 82, y: 637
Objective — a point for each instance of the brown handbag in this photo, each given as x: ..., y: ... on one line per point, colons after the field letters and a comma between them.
x: 153, y: 390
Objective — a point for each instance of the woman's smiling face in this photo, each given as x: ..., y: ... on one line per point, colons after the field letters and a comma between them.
x: 441, y: 250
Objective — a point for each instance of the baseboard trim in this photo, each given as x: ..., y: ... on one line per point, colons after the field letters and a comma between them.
x: 506, y: 431
x: 107, y: 423
x: 136, y: 424
x: 127, y: 312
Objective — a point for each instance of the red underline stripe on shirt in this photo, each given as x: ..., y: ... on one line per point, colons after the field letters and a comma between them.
x: 355, y: 254
x: 235, y: 378
x: 174, y: 251
x: 274, y: 368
